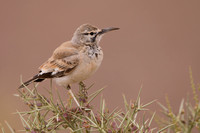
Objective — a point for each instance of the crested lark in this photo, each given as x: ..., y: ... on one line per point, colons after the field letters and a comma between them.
x: 75, y: 60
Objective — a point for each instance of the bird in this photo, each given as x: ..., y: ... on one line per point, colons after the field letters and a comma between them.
x: 75, y: 60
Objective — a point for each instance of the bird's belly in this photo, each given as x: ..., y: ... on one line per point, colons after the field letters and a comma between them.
x: 87, y: 67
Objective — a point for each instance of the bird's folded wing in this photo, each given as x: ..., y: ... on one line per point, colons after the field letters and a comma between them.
x: 62, y: 62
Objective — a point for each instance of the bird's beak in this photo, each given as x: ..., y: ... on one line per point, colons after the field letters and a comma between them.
x: 107, y: 30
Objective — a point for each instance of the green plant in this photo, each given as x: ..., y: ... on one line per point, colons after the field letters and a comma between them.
x: 53, y: 113
x: 188, y: 117
x: 47, y: 114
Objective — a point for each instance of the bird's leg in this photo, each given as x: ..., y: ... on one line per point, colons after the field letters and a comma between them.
x: 71, y: 93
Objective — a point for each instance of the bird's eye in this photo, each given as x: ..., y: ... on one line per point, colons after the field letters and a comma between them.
x: 91, y: 33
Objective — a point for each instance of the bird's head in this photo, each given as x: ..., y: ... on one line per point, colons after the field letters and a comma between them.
x: 89, y: 35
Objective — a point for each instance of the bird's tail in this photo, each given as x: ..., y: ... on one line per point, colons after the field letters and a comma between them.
x: 34, y: 79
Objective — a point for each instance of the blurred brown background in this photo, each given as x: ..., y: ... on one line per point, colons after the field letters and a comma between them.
x: 156, y: 44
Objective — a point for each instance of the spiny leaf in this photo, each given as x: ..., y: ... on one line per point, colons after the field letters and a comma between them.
x: 94, y: 95
x: 11, y: 129
x: 151, y: 119
x: 165, y: 128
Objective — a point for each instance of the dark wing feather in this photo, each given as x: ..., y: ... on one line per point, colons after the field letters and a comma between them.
x: 28, y: 82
